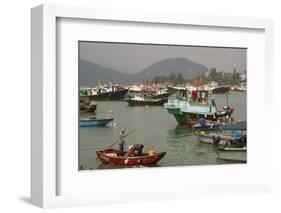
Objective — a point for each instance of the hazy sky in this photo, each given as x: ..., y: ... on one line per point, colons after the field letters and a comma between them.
x: 132, y: 58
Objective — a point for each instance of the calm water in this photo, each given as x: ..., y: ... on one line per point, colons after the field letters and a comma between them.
x: 156, y: 129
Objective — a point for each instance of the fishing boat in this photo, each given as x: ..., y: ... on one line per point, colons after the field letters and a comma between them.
x: 218, y: 126
x: 113, y: 156
x: 162, y: 93
x: 105, y: 92
x: 188, y: 110
x: 213, y: 138
x: 232, y: 139
x: 112, y: 93
x: 220, y: 89
x: 140, y: 99
x: 91, y: 122
x: 235, y: 151
x: 86, y: 105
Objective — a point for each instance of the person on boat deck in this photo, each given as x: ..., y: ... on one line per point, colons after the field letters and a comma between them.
x: 194, y: 95
x: 122, y: 141
x: 135, y: 149
x: 202, y: 121
x: 227, y: 119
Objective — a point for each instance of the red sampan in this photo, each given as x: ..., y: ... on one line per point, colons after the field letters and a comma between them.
x: 112, y: 156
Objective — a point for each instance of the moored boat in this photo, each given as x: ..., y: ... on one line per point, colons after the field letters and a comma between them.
x: 143, y: 100
x: 104, y: 92
x: 220, y: 90
x: 88, y: 107
x: 113, y: 156
x: 188, y: 111
x: 113, y: 95
x: 218, y: 126
x: 91, y: 122
x: 232, y: 139
x: 162, y: 93
x: 213, y: 138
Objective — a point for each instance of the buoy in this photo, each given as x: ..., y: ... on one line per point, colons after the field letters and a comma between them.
x: 151, y: 152
x: 203, y: 132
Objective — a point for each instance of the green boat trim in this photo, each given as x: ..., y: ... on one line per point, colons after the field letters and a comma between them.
x: 181, y: 118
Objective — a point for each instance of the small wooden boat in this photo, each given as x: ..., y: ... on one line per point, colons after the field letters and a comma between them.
x: 90, y: 122
x: 86, y: 104
x: 241, y: 125
x: 213, y: 138
x: 223, y: 140
x: 88, y: 107
x: 112, y: 156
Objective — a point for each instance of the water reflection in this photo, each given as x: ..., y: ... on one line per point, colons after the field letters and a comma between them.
x: 177, y: 132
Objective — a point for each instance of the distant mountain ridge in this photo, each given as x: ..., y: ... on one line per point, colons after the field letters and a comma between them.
x: 91, y: 73
x: 186, y: 67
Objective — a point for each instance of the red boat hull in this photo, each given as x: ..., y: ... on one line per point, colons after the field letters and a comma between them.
x: 111, y: 156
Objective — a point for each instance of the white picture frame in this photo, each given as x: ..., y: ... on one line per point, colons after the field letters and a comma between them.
x: 45, y: 178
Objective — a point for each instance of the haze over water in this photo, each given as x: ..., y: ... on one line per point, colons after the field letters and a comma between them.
x: 132, y: 58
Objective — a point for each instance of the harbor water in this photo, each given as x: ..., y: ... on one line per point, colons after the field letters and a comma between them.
x: 156, y: 129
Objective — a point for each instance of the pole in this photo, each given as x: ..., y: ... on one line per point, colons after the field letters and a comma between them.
x: 227, y: 98
x: 130, y: 132
x: 124, y: 136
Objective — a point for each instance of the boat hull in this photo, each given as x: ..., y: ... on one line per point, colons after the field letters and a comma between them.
x: 111, y: 156
x: 212, y: 138
x: 110, y: 96
x: 190, y: 119
x: 95, y: 122
x: 132, y: 102
x: 221, y: 126
x: 220, y: 90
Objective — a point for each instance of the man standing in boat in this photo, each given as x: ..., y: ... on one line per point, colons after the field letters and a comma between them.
x: 122, y: 141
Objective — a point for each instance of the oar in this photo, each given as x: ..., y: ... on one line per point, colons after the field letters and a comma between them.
x: 124, y: 136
